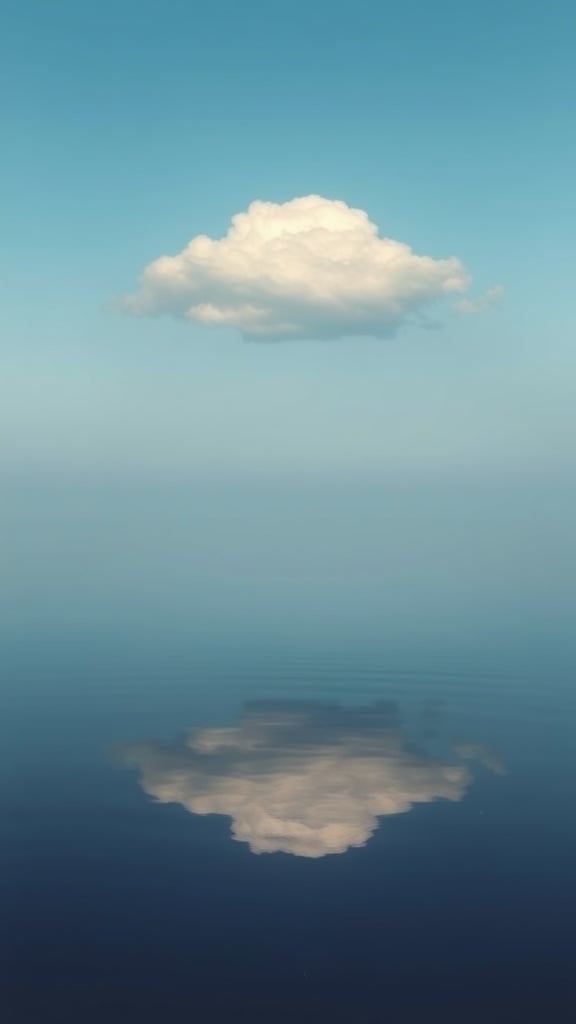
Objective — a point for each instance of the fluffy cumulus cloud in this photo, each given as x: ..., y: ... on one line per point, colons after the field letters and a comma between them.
x: 302, y: 778
x: 308, y: 268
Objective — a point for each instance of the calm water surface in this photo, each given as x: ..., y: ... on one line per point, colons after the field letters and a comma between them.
x: 206, y: 820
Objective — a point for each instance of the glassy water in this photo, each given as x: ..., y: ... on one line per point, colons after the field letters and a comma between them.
x: 270, y: 765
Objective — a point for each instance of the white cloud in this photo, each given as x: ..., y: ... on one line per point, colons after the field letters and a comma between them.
x: 305, y: 779
x: 484, y: 302
x: 308, y: 268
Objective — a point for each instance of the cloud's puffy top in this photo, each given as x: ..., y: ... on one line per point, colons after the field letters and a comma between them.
x: 302, y: 778
x: 308, y: 268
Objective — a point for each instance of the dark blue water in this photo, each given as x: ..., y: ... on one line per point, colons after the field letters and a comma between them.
x: 206, y: 820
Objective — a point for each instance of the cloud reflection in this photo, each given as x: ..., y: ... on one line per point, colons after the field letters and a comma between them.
x: 303, y: 778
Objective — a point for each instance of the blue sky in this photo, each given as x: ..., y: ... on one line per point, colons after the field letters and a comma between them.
x: 129, y: 128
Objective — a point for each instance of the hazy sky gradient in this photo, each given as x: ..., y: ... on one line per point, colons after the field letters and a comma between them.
x: 129, y: 128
